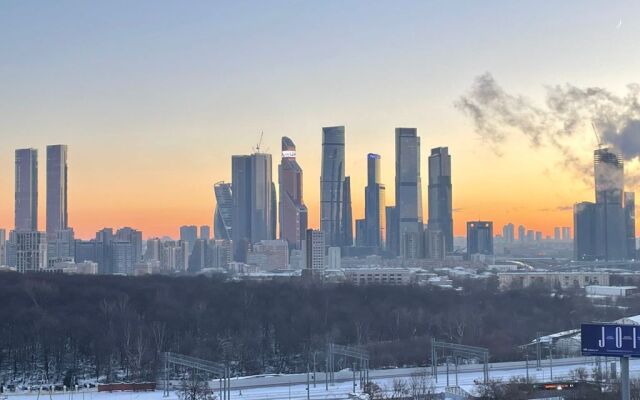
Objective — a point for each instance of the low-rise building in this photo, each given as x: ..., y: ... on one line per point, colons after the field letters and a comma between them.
x: 564, y: 280
x: 379, y: 276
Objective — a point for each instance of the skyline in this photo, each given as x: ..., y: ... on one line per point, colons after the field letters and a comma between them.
x: 148, y: 137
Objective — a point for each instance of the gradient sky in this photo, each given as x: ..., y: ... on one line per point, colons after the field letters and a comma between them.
x: 153, y: 97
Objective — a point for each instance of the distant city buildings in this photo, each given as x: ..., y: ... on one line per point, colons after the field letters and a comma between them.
x: 26, y: 190
x: 189, y: 234
x: 315, y: 253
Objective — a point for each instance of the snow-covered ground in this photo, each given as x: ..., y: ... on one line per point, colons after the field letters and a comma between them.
x: 294, y: 387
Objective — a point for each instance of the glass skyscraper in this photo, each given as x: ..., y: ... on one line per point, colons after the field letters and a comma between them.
x: 26, y: 190
x: 57, y: 218
x: 293, y: 212
x: 440, y: 196
x: 332, y: 184
x: 610, y: 224
x: 408, y: 193
x: 374, y: 204
x: 222, y: 220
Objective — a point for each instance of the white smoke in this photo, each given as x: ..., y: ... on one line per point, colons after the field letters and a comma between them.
x: 567, y: 113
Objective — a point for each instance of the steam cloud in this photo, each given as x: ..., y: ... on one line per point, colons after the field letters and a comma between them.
x: 567, y: 113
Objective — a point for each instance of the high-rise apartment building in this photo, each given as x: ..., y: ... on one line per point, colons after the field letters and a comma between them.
x: 408, y: 193
x: 26, y: 190
x: 223, y: 215
x: 508, y: 233
x: 31, y: 250
x: 440, y: 195
x: 57, y: 218
x: 189, y: 234
x: 522, y: 233
x: 374, y: 204
x: 205, y: 232
x: 332, y: 178
x: 293, y: 212
x: 314, y: 252
x: 479, y: 237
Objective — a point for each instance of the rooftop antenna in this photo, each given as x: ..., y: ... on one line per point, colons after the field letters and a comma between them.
x: 595, y: 131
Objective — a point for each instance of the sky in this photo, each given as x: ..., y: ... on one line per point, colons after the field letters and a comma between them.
x: 153, y: 97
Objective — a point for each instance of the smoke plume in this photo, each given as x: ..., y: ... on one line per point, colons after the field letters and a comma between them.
x: 567, y: 113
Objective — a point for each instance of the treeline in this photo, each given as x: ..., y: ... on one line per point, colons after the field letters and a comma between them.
x: 55, y: 327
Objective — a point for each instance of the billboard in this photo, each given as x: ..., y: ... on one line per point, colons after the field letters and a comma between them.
x: 611, y: 340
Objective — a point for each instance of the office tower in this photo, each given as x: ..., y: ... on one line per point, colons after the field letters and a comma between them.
x: 223, y: 218
x: 522, y: 233
x: 274, y: 213
x: 408, y: 192
x: 31, y: 250
x: 269, y: 255
x: 335, y: 257
x: 189, y: 234
x: 556, y: 233
x: 314, y: 251
x: 479, y: 237
x: 134, y: 237
x: 392, y: 235
x: 361, y: 229
x: 374, y: 204
x: 205, y: 232
x: 26, y: 190
x: 293, y: 212
x: 508, y: 233
x: 346, y: 226
x: 57, y: 218
x: 252, y: 197
x: 566, y: 233
x: 630, y: 224
x: 584, y: 232
x: 610, y: 225
x: 3, y: 247
x: 440, y: 195
x: 331, y: 184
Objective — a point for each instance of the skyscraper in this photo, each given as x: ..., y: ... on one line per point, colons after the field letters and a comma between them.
x: 374, y: 204
x: 584, y: 232
x: 610, y: 226
x: 293, y: 212
x: 479, y: 237
x: 331, y: 184
x: 440, y: 195
x: 26, y: 190
x: 60, y: 239
x: 392, y: 237
x: 408, y: 192
x: 223, y: 219
x: 57, y: 218
x: 346, y: 225
x: 252, y: 198
x: 522, y: 233
x: 630, y: 223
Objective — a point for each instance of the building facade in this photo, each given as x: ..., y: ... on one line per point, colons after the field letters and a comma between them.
x: 332, y: 184
x: 293, y: 212
x: 26, y: 190
x: 440, y: 195
x: 408, y: 193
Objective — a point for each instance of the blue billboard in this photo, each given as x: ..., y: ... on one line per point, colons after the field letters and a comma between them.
x: 610, y: 340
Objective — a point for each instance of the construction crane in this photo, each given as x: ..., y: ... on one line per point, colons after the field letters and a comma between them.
x: 259, y: 142
x: 595, y: 131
